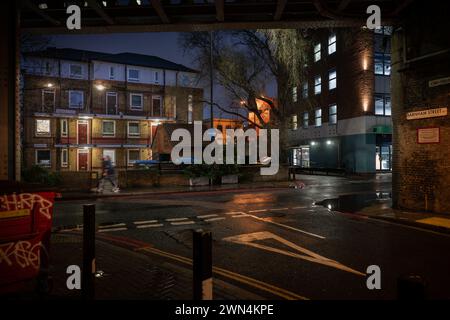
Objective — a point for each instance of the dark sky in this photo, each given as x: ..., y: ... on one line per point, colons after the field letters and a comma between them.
x: 164, y: 45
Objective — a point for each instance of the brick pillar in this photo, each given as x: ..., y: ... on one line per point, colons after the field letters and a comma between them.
x: 421, y: 172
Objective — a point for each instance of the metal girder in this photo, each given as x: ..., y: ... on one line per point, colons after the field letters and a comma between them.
x: 220, y: 13
x: 281, y: 4
x: 98, y: 8
x: 156, y: 4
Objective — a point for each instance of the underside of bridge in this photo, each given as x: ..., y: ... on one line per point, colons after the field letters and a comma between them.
x: 420, y: 55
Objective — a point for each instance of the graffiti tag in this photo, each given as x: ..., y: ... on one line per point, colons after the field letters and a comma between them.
x: 23, y: 253
x: 26, y: 201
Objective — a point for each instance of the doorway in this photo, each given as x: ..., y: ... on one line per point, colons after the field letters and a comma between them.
x: 83, y: 160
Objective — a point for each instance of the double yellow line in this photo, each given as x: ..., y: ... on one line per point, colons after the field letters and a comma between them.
x: 285, y: 294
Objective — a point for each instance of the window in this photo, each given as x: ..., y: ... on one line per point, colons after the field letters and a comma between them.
x: 382, y: 64
x: 156, y: 106
x: 134, y: 129
x: 133, y: 156
x: 305, y: 90
x: 190, y: 108
x: 383, y: 105
x: 156, y: 76
x: 64, y: 158
x: 48, y: 100
x: 386, y: 30
x: 333, y: 114
x: 43, y: 127
x: 294, y: 122
x: 318, y: 118
x: 317, y: 55
x: 332, y: 43
x: 108, y: 128
x: 317, y: 85
x: 136, y: 101
x: 294, y: 94
x: 76, y: 71
x: 332, y: 79
x: 76, y: 99
x: 133, y: 75
x: 47, y: 68
x: 112, y: 73
x: 43, y: 158
x: 111, y: 153
x: 64, y: 128
x: 305, y: 119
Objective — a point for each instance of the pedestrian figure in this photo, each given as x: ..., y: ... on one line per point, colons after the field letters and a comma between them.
x: 108, y: 173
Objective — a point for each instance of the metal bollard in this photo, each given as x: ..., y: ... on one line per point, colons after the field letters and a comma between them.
x: 411, y: 288
x: 202, y: 265
x: 88, y: 273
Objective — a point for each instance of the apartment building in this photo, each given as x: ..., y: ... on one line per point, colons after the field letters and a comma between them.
x: 341, y: 115
x: 79, y: 106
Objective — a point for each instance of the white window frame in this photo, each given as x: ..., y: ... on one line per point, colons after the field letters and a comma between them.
x: 75, y: 76
x: 317, y: 52
x: 294, y: 94
x: 36, y: 158
x: 130, y: 135
x: 44, y: 134
x: 305, y: 119
x: 332, y: 41
x: 110, y: 152
x: 64, y: 164
x: 294, y: 120
x: 109, y: 134
x: 330, y: 80
x: 134, y: 79
x: 305, y: 90
x: 316, y: 117
x: 190, y: 117
x: 64, y: 128
x: 130, y: 164
x: 111, y: 94
x: 317, y: 85
x: 112, y: 73
x: 131, y: 102
x: 82, y: 99
x: 156, y: 76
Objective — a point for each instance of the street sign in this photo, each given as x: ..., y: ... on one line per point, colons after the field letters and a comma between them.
x: 428, y: 135
x: 429, y: 113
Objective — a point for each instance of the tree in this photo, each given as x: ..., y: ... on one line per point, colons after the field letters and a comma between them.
x: 245, y: 61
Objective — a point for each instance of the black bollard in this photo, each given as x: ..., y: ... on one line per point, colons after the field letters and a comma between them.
x: 88, y: 273
x: 202, y: 265
x: 411, y: 287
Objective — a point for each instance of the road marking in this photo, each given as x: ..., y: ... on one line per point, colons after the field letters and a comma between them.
x: 146, y: 222
x: 150, y: 226
x: 299, y: 207
x: 255, y: 211
x: 112, y: 226
x: 214, y: 219
x: 287, y: 227
x: 248, y: 239
x: 176, y: 219
x: 278, y: 209
x: 234, y: 213
x: 182, y: 223
x: 112, y: 229
x: 207, y: 216
x: 280, y: 292
x: 241, y: 215
x: 436, y: 221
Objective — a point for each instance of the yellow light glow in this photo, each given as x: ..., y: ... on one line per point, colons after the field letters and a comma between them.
x: 100, y: 87
x: 49, y: 85
x: 365, y: 64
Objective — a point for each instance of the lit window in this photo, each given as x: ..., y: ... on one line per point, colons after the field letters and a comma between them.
x: 133, y: 75
x: 332, y: 43
x: 318, y: 117
x: 333, y: 114
x: 64, y: 128
x: 111, y: 153
x: 382, y: 64
x: 64, y: 158
x: 305, y: 90
x: 134, y: 129
x: 76, y: 99
x: 76, y: 71
x: 136, y: 101
x: 108, y: 128
x: 383, y: 105
x: 133, y: 156
x: 305, y: 120
x: 43, y: 158
x: 332, y: 79
x: 294, y: 94
x: 294, y: 122
x: 317, y: 85
x: 156, y: 76
x: 43, y: 127
x: 190, y: 108
x: 317, y: 54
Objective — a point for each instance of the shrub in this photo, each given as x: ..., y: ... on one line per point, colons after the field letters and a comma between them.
x: 38, y: 174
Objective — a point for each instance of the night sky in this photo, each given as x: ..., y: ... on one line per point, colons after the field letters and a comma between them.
x: 164, y: 45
